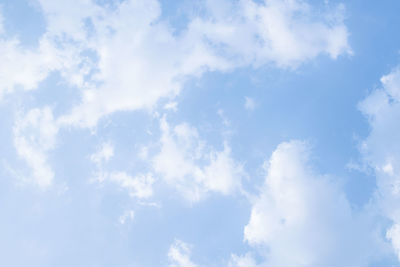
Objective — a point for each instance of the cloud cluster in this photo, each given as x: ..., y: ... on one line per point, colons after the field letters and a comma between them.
x: 1, y: 23
x: 113, y: 54
x: 22, y: 67
x: 381, y: 150
x: 126, y: 56
x: 301, y: 218
x: 192, y: 166
x: 133, y: 45
x: 285, y: 33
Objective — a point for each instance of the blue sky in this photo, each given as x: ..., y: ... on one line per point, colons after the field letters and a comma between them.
x: 184, y: 133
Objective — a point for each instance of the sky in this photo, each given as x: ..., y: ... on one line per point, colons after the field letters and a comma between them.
x: 237, y: 133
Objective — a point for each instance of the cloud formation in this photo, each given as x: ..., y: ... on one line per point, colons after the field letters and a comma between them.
x: 192, y: 166
x: 126, y: 56
x: 381, y: 150
x: 285, y: 33
x: 34, y: 135
x: 139, y: 186
x: 113, y: 53
x: 179, y: 255
x: 301, y: 218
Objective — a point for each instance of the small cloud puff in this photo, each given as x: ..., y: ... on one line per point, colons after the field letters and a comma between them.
x: 193, y: 167
x: 249, y: 103
x: 104, y: 154
x: 128, y: 215
x: 179, y: 255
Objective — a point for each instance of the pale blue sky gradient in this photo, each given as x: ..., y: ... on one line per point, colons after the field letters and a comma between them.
x: 313, y: 96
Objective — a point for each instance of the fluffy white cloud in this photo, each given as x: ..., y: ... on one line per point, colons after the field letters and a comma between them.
x: 381, y: 149
x: 393, y: 234
x: 69, y: 21
x: 285, y: 33
x: 193, y: 167
x: 25, y: 68
x: 179, y: 255
x: 304, y: 219
x: 132, y: 46
x: 34, y: 136
x: 126, y: 57
x: 140, y: 60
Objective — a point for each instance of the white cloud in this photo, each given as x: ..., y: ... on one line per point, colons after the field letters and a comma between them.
x: 34, y: 136
x: 179, y: 255
x: 393, y: 234
x: 133, y: 46
x: 138, y: 59
x: 304, y: 219
x: 194, y: 168
x: 139, y: 186
x: 127, y: 216
x: 24, y: 67
x: 243, y: 261
x: 104, y: 154
x: 249, y: 103
x: 286, y: 33
x: 67, y: 20
x: 381, y: 149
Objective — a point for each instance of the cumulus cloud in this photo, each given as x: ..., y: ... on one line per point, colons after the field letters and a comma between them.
x: 192, y: 166
x: 301, y: 218
x: 381, y: 149
x: 179, y: 255
x: 127, y: 57
x: 131, y: 44
x: 34, y: 135
x: 113, y: 54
